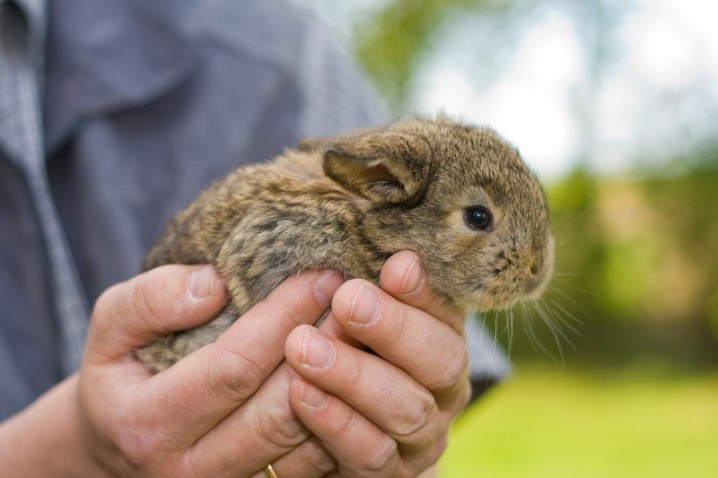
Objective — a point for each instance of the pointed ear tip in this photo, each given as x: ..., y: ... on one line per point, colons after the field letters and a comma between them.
x: 333, y: 163
x: 309, y: 144
x: 331, y: 156
x: 335, y: 153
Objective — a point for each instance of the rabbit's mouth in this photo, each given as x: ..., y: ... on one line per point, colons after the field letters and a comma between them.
x: 537, y: 283
x: 535, y: 286
x: 517, y: 274
x: 541, y: 272
x: 502, y: 297
x: 494, y: 300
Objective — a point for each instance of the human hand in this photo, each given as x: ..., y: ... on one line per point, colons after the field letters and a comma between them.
x: 385, y: 415
x: 175, y: 423
x: 132, y: 423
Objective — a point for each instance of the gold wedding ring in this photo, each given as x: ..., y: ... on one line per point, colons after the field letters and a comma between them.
x: 269, y: 471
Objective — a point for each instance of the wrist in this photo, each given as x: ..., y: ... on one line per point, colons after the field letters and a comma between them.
x: 47, y: 438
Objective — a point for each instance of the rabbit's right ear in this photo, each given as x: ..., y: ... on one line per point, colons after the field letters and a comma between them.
x: 313, y: 143
x: 387, y: 168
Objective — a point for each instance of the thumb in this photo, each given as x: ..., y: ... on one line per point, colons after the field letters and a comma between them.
x: 153, y: 304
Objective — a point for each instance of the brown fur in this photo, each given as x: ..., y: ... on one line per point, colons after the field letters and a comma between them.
x: 350, y: 202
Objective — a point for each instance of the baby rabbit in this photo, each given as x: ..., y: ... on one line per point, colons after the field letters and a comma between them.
x: 458, y: 195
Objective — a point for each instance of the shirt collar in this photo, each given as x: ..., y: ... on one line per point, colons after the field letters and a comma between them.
x: 105, y: 56
x: 35, y: 12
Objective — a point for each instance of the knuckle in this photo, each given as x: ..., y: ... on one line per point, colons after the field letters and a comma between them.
x: 427, y: 456
x: 144, y: 307
x: 381, y: 457
x: 138, y: 445
x: 105, y: 308
x: 148, y: 291
x: 107, y: 323
x: 280, y: 429
x: 190, y: 465
x: 399, y: 323
x: 343, y: 424
x: 100, y: 318
x: 318, y: 461
x: 453, y: 374
x: 103, y: 303
x: 415, y: 418
x: 232, y: 374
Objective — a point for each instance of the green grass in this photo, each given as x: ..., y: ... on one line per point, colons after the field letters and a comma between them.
x: 553, y: 422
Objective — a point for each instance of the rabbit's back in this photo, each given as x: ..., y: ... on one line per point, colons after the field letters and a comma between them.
x: 258, y: 226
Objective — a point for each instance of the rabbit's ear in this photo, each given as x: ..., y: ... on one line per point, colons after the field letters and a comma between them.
x: 310, y: 144
x: 387, y: 168
x: 313, y: 143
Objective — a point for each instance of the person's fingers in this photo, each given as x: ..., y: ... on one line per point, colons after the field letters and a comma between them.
x: 216, y: 379
x: 403, y: 277
x: 359, y: 447
x: 263, y: 429
x: 384, y: 394
x: 330, y: 327
x: 170, y: 411
x: 374, y: 397
x: 155, y: 303
x: 270, y: 432
x: 309, y: 460
x: 311, y: 457
x: 428, y: 349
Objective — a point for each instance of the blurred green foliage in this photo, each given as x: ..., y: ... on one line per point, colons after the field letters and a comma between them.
x: 636, y: 265
x: 635, y: 292
x: 637, y: 253
x: 392, y: 44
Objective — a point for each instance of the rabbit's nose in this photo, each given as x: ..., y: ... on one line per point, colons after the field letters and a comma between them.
x: 536, y: 263
x: 541, y: 257
x: 540, y: 267
x: 534, y: 283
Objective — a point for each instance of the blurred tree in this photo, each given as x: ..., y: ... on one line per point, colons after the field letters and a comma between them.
x: 638, y: 250
x: 685, y: 206
x: 392, y: 44
x: 636, y: 264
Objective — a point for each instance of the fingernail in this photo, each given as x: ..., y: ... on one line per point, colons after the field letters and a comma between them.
x: 365, y: 307
x: 413, y: 278
x: 317, y: 351
x: 313, y: 397
x: 203, y: 282
x: 326, y: 285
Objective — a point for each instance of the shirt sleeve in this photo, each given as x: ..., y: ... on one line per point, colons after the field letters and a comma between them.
x: 336, y: 96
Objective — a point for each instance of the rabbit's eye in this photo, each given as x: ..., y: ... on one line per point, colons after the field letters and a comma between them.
x: 478, y: 217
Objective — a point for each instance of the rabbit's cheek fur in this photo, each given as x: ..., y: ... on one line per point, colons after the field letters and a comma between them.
x: 486, y: 269
x: 516, y: 271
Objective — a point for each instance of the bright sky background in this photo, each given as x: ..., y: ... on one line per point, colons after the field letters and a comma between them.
x: 657, y: 97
